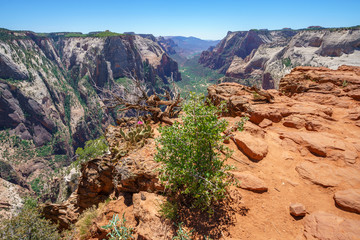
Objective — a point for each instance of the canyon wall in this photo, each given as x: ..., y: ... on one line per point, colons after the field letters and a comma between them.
x: 50, y: 93
x: 263, y: 57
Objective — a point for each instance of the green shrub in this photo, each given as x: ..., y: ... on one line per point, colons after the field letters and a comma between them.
x: 344, y: 83
x: 85, y: 221
x: 44, y: 151
x: 169, y: 210
x: 28, y: 225
x: 37, y: 185
x: 87, y: 218
x: 119, y: 232
x: 286, y: 62
x: 190, y: 153
x: 92, y: 149
x: 240, y: 124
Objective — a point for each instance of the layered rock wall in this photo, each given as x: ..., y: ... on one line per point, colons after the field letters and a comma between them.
x: 266, y: 56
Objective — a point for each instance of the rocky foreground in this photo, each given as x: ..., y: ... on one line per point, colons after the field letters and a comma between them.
x: 297, y: 160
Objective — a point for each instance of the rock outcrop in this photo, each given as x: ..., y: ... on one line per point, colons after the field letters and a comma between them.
x: 104, y: 177
x: 266, y: 56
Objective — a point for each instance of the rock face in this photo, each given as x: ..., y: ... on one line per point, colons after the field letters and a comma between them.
x: 11, y: 198
x: 49, y: 90
x: 48, y: 82
x: 102, y: 177
x: 266, y: 56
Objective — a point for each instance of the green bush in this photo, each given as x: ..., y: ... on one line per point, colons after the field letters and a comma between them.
x: 190, y: 153
x: 169, y: 210
x: 286, y: 62
x: 28, y: 225
x: 92, y: 149
x: 37, y: 185
x: 85, y: 221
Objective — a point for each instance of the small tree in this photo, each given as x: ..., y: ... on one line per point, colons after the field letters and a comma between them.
x: 92, y: 149
x: 28, y: 225
x: 190, y: 153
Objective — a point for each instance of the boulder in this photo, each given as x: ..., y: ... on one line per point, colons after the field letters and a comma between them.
x: 265, y: 123
x: 348, y: 200
x: 250, y: 182
x: 96, y: 182
x: 297, y: 210
x: 294, y: 122
x: 254, y: 148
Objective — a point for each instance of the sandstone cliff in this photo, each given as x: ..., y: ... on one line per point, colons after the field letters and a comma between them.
x: 297, y: 160
x: 265, y: 56
x: 48, y: 97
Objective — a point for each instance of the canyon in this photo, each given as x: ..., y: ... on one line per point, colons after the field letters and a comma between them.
x: 263, y: 57
x: 297, y: 159
x: 51, y: 99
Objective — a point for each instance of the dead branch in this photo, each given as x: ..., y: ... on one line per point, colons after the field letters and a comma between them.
x: 137, y: 97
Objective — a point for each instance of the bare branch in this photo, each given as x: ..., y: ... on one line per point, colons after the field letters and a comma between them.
x: 136, y: 97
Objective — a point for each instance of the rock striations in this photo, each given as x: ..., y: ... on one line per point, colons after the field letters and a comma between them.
x: 297, y: 162
x: 51, y: 99
x: 47, y: 84
x: 264, y: 57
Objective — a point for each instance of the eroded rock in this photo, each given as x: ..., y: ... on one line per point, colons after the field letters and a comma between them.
x: 253, y: 147
x: 326, y: 226
x: 297, y: 210
x: 250, y: 182
x: 327, y: 175
x: 348, y: 200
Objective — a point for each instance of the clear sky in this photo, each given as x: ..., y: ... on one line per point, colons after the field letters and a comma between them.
x: 205, y: 19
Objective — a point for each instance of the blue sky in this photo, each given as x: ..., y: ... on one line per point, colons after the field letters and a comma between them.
x: 205, y: 19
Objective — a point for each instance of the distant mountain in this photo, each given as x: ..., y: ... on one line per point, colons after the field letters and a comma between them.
x: 182, y: 48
